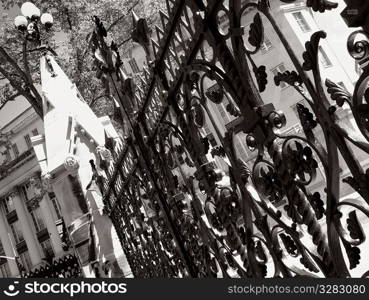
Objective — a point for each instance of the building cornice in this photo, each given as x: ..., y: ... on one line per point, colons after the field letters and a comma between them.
x: 7, y: 183
x: 22, y: 122
x: 7, y: 169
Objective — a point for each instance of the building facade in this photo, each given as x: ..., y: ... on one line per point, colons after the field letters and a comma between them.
x: 31, y: 222
x: 51, y: 214
x: 28, y: 224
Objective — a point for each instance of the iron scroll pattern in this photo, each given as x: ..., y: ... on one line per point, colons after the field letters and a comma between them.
x: 183, y: 207
x: 64, y: 267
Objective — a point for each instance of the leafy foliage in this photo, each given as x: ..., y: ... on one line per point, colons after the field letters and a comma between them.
x: 69, y: 37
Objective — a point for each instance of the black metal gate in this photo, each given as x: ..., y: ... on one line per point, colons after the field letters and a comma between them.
x: 177, y: 210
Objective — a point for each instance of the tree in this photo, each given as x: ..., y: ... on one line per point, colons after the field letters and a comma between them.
x: 70, y: 39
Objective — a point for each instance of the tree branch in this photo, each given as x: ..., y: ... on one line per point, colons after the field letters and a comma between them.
x: 10, y: 60
x: 68, y: 19
x: 93, y: 101
x: 15, y: 84
x: 34, y: 98
x: 123, y: 42
x: 123, y: 16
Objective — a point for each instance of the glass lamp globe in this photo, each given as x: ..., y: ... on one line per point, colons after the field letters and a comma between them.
x: 47, y: 20
x: 30, y: 10
x: 21, y: 23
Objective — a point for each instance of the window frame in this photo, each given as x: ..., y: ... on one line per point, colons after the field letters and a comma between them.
x: 7, y: 206
x: 37, y: 219
x: 45, y: 248
x: 5, y: 270
x: 264, y: 48
x: 134, y: 66
x: 27, y: 138
x: 56, y: 206
x: 301, y: 21
x: 15, y: 149
x: 26, y: 260
x: 17, y: 232
x: 8, y: 155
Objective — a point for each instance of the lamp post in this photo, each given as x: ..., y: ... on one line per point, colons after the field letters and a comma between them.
x: 28, y: 22
x: 29, y: 29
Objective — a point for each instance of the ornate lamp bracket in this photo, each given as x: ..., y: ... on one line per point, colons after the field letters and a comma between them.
x: 71, y: 164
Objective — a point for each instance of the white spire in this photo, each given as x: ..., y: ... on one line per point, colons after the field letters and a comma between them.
x: 64, y: 110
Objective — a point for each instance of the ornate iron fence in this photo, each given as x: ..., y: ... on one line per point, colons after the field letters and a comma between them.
x: 64, y: 267
x: 176, y: 212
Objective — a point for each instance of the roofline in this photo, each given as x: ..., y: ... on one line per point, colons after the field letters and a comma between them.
x: 16, y: 118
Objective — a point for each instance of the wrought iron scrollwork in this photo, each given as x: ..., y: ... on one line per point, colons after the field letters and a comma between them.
x: 64, y: 267
x: 183, y: 206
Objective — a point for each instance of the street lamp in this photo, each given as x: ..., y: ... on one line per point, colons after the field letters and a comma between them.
x: 27, y: 23
x: 47, y: 20
x: 30, y: 11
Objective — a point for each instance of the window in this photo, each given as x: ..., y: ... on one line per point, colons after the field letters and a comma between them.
x: 132, y: 62
x: 9, y: 204
x: 28, y: 141
x: 301, y: 21
x: 34, y: 132
x: 28, y: 191
x: 47, y: 248
x: 226, y: 116
x: 223, y: 112
x: 324, y: 59
x: 17, y: 232
x: 7, y: 155
x: 25, y: 260
x: 15, y: 150
x: 266, y: 45
x: 280, y: 69
x: 56, y: 206
x: 4, y: 270
x: 37, y: 219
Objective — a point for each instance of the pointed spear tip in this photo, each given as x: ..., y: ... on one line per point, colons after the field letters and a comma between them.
x: 135, y: 18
